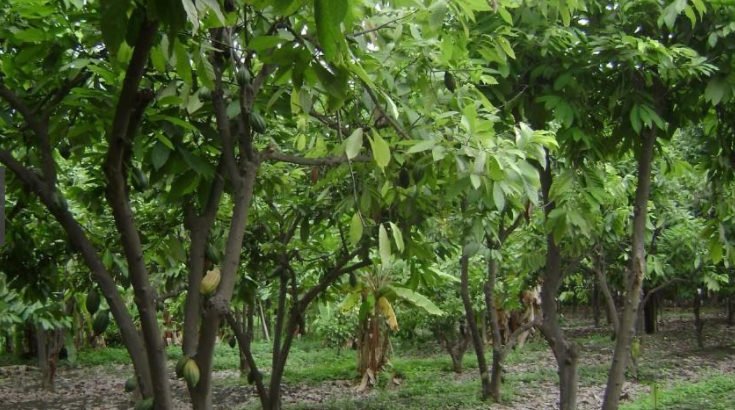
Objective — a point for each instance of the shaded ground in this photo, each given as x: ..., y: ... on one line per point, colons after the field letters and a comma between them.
x: 321, y: 378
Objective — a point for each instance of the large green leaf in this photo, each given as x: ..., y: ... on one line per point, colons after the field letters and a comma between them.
x: 329, y: 15
x: 381, y: 150
x: 417, y: 300
x: 384, y: 246
x: 114, y: 21
x: 353, y: 144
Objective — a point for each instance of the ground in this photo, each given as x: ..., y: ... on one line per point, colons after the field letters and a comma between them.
x: 673, y: 374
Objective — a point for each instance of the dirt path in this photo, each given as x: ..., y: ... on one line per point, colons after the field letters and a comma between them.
x: 668, y: 357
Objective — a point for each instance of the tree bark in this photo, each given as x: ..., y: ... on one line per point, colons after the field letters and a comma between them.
x: 472, y: 324
x: 565, y: 351
x: 219, y: 302
x: 650, y: 315
x: 490, y: 305
x: 698, y: 321
x: 596, y: 304
x: 612, y: 312
x: 632, y: 297
x: 53, y: 201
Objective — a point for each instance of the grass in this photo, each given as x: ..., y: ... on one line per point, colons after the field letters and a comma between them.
x: 427, y: 381
x: 716, y: 392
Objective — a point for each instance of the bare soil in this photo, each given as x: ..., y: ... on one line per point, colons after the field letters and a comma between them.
x: 669, y: 357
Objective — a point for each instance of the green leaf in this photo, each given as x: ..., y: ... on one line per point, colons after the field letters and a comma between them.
x: 159, y: 155
x: 420, y: 146
x: 475, y: 181
x: 214, y: 6
x: 262, y: 43
x: 505, y: 45
x: 349, y: 302
x: 635, y: 119
x: 184, y: 184
x: 397, y: 236
x: 183, y: 66
x: 381, y: 150
x: 417, y: 300
x: 114, y: 16
x: 498, y: 196
x: 354, y: 143
x: 329, y: 15
x: 384, y: 246
x: 716, y: 90
x: 355, y: 229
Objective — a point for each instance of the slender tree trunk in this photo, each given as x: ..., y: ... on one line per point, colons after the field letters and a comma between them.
x: 730, y: 310
x: 472, y: 324
x: 264, y: 323
x: 219, y: 302
x: 43, y: 355
x: 490, y: 306
x: 698, y: 321
x: 565, y: 351
x: 632, y: 297
x: 596, y: 314
x: 612, y: 312
x: 650, y: 315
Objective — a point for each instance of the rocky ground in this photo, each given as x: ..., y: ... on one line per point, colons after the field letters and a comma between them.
x: 669, y: 357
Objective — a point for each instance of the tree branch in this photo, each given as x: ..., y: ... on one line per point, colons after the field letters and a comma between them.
x: 244, y: 343
x: 662, y: 286
x: 392, y: 121
x: 272, y: 155
x: 39, y: 125
x: 61, y: 93
x: 336, y: 271
x: 382, y: 26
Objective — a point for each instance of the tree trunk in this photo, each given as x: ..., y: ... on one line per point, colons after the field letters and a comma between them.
x: 48, y: 346
x: 634, y: 283
x: 612, y: 312
x: 472, y: 324
x: 264, y: 323
x: 730, y: 310
x: 219, y: 302
x: 596, y: 314
x: 650, y: 315
x: 698, y: 321
x: 565, y: 351
x: 490, y: 307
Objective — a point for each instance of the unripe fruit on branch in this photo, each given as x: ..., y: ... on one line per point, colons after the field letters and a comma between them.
x: 191, y: 373
x: 92, y: 303
x: 210, y: 281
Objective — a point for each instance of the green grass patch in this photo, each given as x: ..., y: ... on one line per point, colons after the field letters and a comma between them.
x: 716, y: 392
x: 106, y: 356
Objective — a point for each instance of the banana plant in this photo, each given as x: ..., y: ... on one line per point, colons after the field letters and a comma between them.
x: 375, y: 293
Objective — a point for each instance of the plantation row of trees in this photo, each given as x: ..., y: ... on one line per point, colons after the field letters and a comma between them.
x: 312, y: 156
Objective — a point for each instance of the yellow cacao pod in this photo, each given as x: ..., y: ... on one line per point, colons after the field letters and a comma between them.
x: 387, y: 310
x: 210, y: 281
x: 191, y: 373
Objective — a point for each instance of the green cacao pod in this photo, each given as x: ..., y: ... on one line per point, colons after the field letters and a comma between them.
x: 449, y: 81
x: 205, y: 93
x: 257, y: 123
x: 130, y: 384
x: 210, y: 281
x: 92, y: 303
x: 101, y: 321
x: 212, y: 253
x: 65, y: 150
x: 146, y: 404
x: 243, y: 77
x: 180, y: 366
x: 191, y: 373
x: 232, y: 342
x: 140, y: 180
